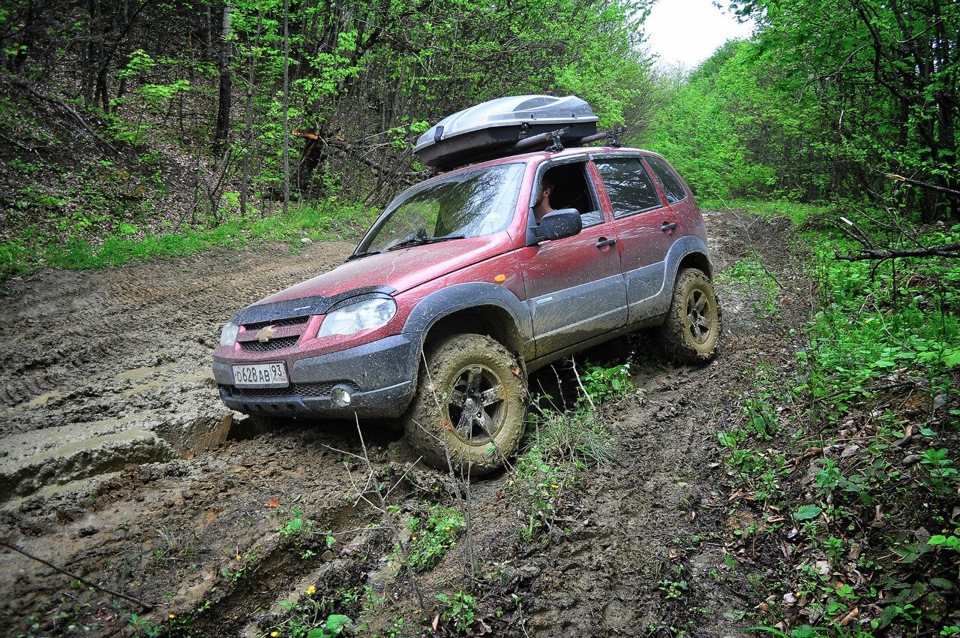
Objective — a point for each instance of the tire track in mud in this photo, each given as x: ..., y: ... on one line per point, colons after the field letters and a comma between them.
x: 179, y: 534
x: 67, y: 336
x: 603, y: 578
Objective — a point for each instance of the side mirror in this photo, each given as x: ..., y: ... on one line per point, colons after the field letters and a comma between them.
x: 556, y: 225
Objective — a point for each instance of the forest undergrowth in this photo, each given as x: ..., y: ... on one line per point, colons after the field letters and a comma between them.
x: 843, y: 463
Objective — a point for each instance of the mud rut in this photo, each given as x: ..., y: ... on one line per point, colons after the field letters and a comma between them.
x: 119, y: 465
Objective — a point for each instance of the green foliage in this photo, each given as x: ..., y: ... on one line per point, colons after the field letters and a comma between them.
x: 751, y: 276
x: 751, y: 121
x: 344, y: 66
x: 309, y: 617
x: 807, y: 512
x: 139, y: 63
x: 158, y: 94
x: 74, y: 250
x: 432, y: 538
x: 606, y: 383
x: 561, y: 448
x: 14, y: 258
x: 140, y: 626
x: 709, y: 122
x: 577, y: 437
x: 296, y: 525
x: 460, y: 610
x: 540, y: 481
x: 143, y: 627
x: 675, y: 587
x: 363, y: 97
x: 335, y: 625
x: 943, y: 476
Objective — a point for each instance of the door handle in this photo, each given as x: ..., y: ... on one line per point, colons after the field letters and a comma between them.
x: 668, y: 226
x: 603, y: 243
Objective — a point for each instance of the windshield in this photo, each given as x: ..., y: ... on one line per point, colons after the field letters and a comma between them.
x: 467, y: 204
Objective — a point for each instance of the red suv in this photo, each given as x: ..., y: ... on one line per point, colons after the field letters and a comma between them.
x: 457, y: 293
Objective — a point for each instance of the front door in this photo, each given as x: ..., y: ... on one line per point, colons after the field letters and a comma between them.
x: 574, y: 286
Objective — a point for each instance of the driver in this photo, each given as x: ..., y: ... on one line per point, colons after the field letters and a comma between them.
x: 542, y: 205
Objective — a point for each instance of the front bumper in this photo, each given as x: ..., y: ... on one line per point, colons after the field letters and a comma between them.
x: 381, y: 378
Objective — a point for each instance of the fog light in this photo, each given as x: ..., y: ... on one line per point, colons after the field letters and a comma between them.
x: 341, y: 396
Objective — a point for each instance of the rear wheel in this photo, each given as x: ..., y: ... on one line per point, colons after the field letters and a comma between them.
x: 470, y: 405
x: 692, y: 328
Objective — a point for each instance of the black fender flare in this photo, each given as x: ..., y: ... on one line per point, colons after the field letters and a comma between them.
x: 460, y: 297
x: 680, y: 250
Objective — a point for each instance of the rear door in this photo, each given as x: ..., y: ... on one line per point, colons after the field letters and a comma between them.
x: 643, y: 225
x: 574, y: 286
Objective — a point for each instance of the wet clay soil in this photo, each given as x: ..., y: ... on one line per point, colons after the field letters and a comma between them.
x: 120, y: 466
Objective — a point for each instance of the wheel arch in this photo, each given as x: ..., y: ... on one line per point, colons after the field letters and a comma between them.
x: 475, y: 308
x: 688, y: 252
x: 699, y: 261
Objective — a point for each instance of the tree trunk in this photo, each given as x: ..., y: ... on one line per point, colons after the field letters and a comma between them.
x: 222, y: 135
x: 248, y: 124
x: 286, y: 104
x: 92, y: 55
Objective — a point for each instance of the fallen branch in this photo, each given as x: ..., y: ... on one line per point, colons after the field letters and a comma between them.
x: 951, y: 251
x: 914, y: 182
x: 869, y: 252
x: 145, y: 606
x: 66, y: 108
x: 22, y: 147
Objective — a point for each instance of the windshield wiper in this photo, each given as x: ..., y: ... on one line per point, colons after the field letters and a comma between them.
x: 420, y: 241
x: 361, y: 255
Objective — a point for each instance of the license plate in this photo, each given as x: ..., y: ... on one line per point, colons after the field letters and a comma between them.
x: 261, y: 375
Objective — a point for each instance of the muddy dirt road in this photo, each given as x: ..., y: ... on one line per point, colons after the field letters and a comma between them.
x: 120, y: 467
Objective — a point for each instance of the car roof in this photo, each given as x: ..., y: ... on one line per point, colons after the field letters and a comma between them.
x: 538, y: 157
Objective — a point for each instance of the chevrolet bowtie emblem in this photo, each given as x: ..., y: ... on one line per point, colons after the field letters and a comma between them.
x: 264, y: 334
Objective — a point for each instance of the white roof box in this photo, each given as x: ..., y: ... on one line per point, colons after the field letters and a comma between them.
x: 499, y: 127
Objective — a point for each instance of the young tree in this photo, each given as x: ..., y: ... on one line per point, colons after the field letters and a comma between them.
x: 222, y: 132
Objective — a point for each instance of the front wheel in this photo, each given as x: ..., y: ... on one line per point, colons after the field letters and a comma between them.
x: 692, y: 328
x: 470, y: 405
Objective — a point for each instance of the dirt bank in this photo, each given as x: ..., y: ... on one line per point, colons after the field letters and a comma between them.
x: 119, y: 465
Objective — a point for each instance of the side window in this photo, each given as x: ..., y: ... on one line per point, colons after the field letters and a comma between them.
x: 569, y: 189
x: 629, y: 187
x: 668, y: 180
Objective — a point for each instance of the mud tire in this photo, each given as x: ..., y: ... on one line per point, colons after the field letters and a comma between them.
x: 470, y: 406
x: 692, y: 328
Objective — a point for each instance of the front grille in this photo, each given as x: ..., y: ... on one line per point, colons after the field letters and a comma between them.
x: 315, y: 390
x: 269, y: 346
x: 279, y: 323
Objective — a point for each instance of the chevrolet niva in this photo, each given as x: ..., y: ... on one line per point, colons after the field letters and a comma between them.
x: 473, y: 279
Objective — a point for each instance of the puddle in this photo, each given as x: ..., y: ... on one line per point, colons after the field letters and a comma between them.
x: 36, y: 402
x: 79, y: 459
x: 137, y: 374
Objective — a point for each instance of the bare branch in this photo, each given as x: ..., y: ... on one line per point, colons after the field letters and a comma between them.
x: 914, y: 182
x: 145, y: 606
x: 950, y: 251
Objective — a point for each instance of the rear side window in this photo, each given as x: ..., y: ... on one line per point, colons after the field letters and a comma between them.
x: 629, y: 187
x: 668, y: 179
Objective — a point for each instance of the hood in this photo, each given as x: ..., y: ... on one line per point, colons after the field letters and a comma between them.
x: 397, y: 270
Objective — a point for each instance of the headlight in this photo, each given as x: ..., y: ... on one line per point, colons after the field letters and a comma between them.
x: 358, y: 314
x: 228, y: 336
